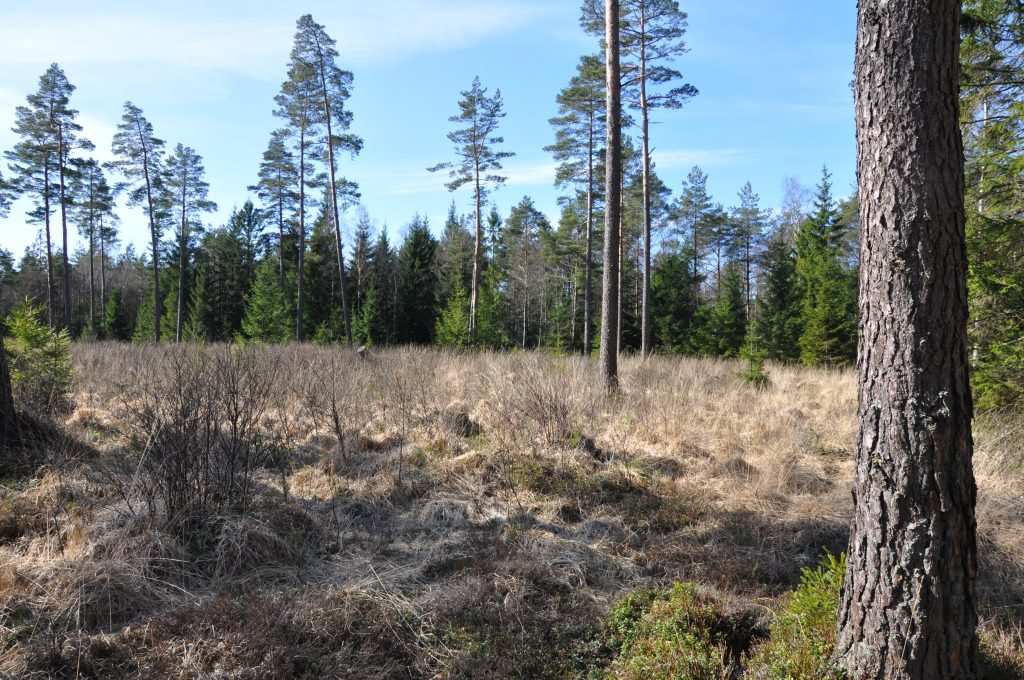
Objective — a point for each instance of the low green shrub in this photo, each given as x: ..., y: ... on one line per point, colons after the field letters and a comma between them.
x: 803, y: 634
x: 673, y: 634
x: 40, y: 360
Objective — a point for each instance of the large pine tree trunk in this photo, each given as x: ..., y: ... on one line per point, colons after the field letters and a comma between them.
x: 8, y: 423
x: 908, y: 606
x: 610, y: 298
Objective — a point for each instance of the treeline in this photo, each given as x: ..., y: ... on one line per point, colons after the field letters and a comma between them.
x: 696, y: 276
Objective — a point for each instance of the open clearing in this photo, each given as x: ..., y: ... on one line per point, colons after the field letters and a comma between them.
x: 426, y: 514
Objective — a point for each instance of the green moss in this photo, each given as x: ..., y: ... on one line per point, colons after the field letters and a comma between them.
x: 673, y: 634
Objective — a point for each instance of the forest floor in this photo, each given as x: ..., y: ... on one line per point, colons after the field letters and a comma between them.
x: 420, y: 514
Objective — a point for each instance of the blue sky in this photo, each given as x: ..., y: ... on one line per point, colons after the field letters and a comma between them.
x: 775, y: 99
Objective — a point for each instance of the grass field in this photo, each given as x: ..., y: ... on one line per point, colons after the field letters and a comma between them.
x: 300, y: 512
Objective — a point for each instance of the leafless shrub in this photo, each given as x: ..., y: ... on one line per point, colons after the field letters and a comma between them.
x: 195, y: 418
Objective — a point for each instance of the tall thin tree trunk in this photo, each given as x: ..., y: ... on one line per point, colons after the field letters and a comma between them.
x: 588, y: 291
x: 49, y: 241
x: 182, y: 255
x: 477, y: 246
x: 66, y: 274
x: 334, y: 204
x: 280, y: 233
x: 92, y: 254
x: 622, y: 274
x: 103, y: 269
x: 908, y: 608
x: 154, y: 236
x: 610, y: 288
x: 300, y: 274
x: 645, y: 314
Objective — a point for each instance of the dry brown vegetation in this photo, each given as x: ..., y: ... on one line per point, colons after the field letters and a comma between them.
x: 299, y: 512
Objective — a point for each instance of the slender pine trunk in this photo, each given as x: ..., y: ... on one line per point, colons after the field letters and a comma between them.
x: 300, y: 273
x: 49, y: 242
x: 66, y: 274
x: 610, y: 292
x: 92, y: 255
x: 645, y: 313
x: 474, y: 292
x: 334, y: 205
x: 588, y: 290
x: 158, y: 302
x: 182, y: 255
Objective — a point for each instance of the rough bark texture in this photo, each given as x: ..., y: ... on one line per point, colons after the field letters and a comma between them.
x: 908, y: 606
x: 8, y: 422
x: 610, y: 298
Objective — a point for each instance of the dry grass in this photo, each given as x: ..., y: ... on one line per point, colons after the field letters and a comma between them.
x: 423, y: 514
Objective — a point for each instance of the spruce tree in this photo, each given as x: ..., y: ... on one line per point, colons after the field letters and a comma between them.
x: 748, y: 221
x: 452, y: 328
x: 727, y: 325
x: 477, y: 164
x: 454, y: 257
x: 675, y: 301
x: 417, y: 293
x: 828, y: 316
x: 368, y: 327
x: 385, y: 282
x: 361, y: 266
x: 778, y: 319
x: 691, y: 214
x: 116, y: 323
x: 137, y: 155
x: 266, y: 314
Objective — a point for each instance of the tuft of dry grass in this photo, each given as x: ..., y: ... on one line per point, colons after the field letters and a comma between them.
x: 435, y: 515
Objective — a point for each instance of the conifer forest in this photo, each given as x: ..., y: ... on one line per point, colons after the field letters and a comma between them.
x: 661, y: 432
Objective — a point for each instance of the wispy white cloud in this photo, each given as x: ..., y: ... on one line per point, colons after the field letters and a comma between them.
x: 531, y: 174
x: 204, y: 39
